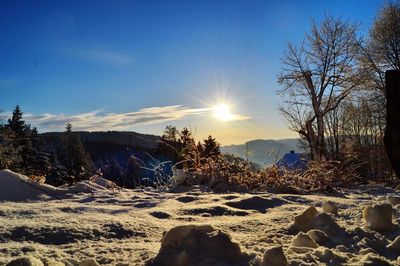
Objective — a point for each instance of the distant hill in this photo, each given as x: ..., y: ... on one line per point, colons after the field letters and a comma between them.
x: 264, y: 152
x: 119, y: 137
x: 118, y: 145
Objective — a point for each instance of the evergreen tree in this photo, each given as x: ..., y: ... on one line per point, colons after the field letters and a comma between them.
x: 170, y: 133
x: 58, y: 174
x: 75, y: 158
x: 15, y: 123
x: 10, y: 157
x: 189, y: 153
x: 22, y: 149
x: 39, y: 160
x: 170, y: 146
x: 20, y: 134
x: 211, y: 148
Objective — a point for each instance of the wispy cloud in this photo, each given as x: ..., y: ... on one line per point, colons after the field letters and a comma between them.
x: 98, y: 120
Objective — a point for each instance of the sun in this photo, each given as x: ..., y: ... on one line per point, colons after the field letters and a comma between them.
x: 222, y: 112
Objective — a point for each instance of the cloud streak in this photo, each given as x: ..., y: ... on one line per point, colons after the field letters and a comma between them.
x: 100, y: 121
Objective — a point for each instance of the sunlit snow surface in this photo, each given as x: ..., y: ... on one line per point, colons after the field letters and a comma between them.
x: 126, y: 226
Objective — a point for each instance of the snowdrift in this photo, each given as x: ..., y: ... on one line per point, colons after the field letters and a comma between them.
x: 16, y: 187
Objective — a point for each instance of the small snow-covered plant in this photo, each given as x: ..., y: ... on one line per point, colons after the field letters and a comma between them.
x: 161, y: 177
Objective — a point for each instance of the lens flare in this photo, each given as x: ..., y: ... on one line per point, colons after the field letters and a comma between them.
x: 222, y: 112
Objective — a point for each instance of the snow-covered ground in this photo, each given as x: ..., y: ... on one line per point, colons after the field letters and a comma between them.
x: 126, y: 227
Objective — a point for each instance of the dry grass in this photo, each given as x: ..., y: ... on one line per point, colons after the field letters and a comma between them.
x: 322, y: 176
x: 237, y: 173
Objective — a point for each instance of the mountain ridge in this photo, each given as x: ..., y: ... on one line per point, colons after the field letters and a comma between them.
x: 264, y: 152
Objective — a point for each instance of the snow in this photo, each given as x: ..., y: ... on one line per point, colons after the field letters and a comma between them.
x: 303, y: 240
x: 330, y: 207
x: 16, y: 187
x: 274, y: 257
x: 89, y: 224
x: 181, y: 246
x: 379, y: 217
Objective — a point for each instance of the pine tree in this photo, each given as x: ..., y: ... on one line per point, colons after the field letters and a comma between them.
x: 58, y: 174
x: 75, y: 158
x: 15, y: 123
x: 22, y: 149
x: 169, y: 146
x: 39, y: 160
x: 211, y: 148
x: 10, y: 157
x: 189, y: 149
x: 170, y: 133
x: 21, y: 140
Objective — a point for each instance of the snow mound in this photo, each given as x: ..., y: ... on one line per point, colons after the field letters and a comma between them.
x: 330, y: 207
x: 324, y: 254
x: 103, y: 183
x: 304, y: 221
x: 303, y: 240
x: 16, y: 187
x: 85, y: 187
x: 274, y: 257
x: 312, y: 219
x: 25, y: 261
x: 327, y: 224
x: 379, y: 217
x: 198, y: 245
x: 318, y: 236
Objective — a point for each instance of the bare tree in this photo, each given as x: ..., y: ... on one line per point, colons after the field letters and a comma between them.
x: 382, y: 50
x: 380, y: 53
x: 317, y: 76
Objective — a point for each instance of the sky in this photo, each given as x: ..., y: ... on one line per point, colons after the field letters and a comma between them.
x: 142, y: 65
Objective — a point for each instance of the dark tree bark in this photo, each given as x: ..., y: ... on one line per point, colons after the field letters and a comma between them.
x: 392, y: 133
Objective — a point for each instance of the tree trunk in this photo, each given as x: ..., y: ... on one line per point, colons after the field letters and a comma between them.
x: 392, y: 132
x: 312, y: 140
x: 320, y: 137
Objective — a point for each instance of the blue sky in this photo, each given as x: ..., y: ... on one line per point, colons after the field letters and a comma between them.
x: 141, y: 65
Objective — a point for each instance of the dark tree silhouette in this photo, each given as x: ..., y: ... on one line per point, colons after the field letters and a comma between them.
x: 75, y: 158
x: 392, y: 133
x: 16, y: 123
x: 23, y: 150
x: 10, y: 157
x: 211, y: 148
x: 114, y: 172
